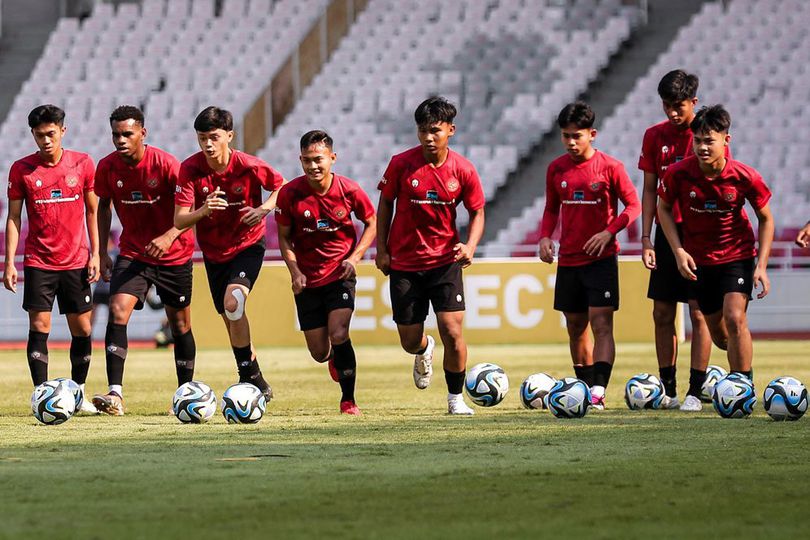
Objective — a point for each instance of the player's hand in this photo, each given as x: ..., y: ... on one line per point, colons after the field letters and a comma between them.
x: 10, y: 278
x: 215, y: 201
x: 803, y: 238
x: 546, y: 250
x: 299, y: 282
x: 383, y: 262
x: 105, y: 266
x: 464, y: 254
x: 597, y: 243
x: 686, y: 264
x: 349, y: 270
x: 761, y: 281
x: 93, y: 269
x: 252, y: 216
x: 648, y: 254
x: 159, y: 246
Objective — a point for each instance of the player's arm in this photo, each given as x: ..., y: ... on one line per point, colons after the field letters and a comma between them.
x: 649, y: 199
x: 385, y: 213
x: 13, y: 226
x: 475, y: 230
x: 366, y: 239
x: 104, y: 219
x: 765, y: 237
x: 252, y: 216
x: 187, y: 216
x: 803, y: 238
x: 91, y: 217
x: 299, y: 280
x: 686, y: 265
x: 632, y: 207
x: 551, y: 215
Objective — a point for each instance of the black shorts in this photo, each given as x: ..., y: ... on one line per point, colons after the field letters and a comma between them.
x: 173, y: 283
x: 666, y: 282
x: 69, y: 287
x: 315, y: 304
x: 411, y: 291
x: 594, y: 284
x: 243, y: 269
x: 717, y: 280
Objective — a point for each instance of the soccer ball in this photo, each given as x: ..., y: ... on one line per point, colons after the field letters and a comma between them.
x: 53, y: 403
x: 486, y: 384
x: 534, y: 390
x: 785, y: 398
x: 644, y: 391
x: 194, y: 402
x: 734, y: 396
x: 74, y: 387
x: 569, y: 398
x: 243, y: 403
x: 713, y: 374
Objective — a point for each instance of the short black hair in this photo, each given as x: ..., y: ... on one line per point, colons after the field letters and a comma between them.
x: 127, y: 112
x: 212, y: 118
x: 314, y: 137
x: 578, y: 113
x: 711, y: 118
x: 678, y: 85
x: 46, y: 114
x: 433, y: 110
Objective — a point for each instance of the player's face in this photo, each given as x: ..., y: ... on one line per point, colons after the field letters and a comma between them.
x: 435, y: 137
x: 710, y: 146
x: 214, y: 143
x: 128, y: 136
x: 577, y: 142
x: 49, y: 138
x: 680, y: 113
x: 317, y: 160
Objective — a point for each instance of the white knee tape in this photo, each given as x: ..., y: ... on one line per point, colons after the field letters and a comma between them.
x: 236, y: 314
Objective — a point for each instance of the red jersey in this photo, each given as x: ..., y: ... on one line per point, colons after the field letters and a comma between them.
x: 222, y: 235
x: 143, y: 196
x: 322, y: 231
x: 54, y: 203
x: 715, y: 225
x: 423, y: 232
x: 584, y: 196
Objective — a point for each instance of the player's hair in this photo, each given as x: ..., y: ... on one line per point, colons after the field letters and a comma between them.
x: 577, y: 113
x: 678, y: 85
x: 46, y: 114
x: 433, y: 110
x: 212, y: 118
x: 315, y: 137
x: 712, y: 118
x: 127, y: 112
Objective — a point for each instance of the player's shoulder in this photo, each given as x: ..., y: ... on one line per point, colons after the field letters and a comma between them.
x: 194, y: 165
x: 409, y: 156
x: 658, y: 130
x: 742, y: 170
x: 294, y: 187
x: 76, y: 158
x: 688, y: 166
x: 25, y: 164
x: 460, y: 161
x: 160, y: 155
x: 607, y: 161
x: 109, y: 161
x: 348, y: 185
x: 243, y: 161
x: 560, y: 163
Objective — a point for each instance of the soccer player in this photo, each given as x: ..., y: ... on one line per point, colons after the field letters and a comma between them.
x: 718, y: 255
x: 56, y: 187
x: 319, y: 245
x: 666, y: 143
x: 803, y: 238
x: 420, y: 249
x: 582, y: 190
x: 220, y: 191
x: 139, y: 180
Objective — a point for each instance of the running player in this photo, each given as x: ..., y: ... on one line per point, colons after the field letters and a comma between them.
x: 583, y: 188
x: 718, y: 254
x: 56, y: 187
x: 319, y: 244
x: 420, y: 249
x: 220, y: 191
x: 140, y: 180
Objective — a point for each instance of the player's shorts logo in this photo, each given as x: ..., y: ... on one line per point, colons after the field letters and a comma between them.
x: 152, y: 182
x: 740, y: 281
x: 345, y: 296
x: 607, y: 294
x: 340, y: 213
x: 452, y: 185
x: 120, y: 184
x: 415, y: 183
x: 71, y: 181
x: 182, y: 298
x: 459, y: 298
x: 242, y: 274
x: 87, y: 298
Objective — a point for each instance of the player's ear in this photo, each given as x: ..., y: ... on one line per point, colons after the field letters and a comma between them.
x: 452, y: 130
x: 593, y: 133
x: 334, y: 157
x: 230, y: 136
x: 694, y: 101
x: 727, y: 139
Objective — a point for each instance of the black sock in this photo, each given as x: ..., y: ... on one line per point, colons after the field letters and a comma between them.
x: 81, y: 349
x: 585, y: 374
x: 185, y: 351
x: 37, y: 352
x: 248, y: 368
x: 345, y: 363
x: 667, y: 375
x: 601, y: 373
x: 116, y: 343
x: 749, y: 374
x: 696, y: 379
x: 455, y: 381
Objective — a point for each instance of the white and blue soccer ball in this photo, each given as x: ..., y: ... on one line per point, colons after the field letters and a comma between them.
x: 194, y: 403
x: 569, y: 398
x: 243, y: 403
x: 53, y: 403
x: 785, y: 398
x: 74, y: 387
x: 734, y: 396
x: 713, y: 374
x: 534, y: 390
x: 644, y: 391
x: 486, y: 384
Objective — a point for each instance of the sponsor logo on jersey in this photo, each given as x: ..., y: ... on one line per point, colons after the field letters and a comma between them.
x: 322, y: 224
x: 56, y: 194
x: 710, y: 205
x: 432, y: 195
x: 137, y: 196
x: 579, y: 195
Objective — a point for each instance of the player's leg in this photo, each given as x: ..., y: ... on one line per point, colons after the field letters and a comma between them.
x: 344, y: 360
x: 571, y: 299
x: 74, y: 297
x: 238, y: 326
x: 174, y: 286
x: 601, y: 283
x: 701, y: 351
x: 39, y: 292
x: 409, y: 303
x: 740, y: 347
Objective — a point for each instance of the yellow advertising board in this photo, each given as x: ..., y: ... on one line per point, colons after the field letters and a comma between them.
x: 508, y: 301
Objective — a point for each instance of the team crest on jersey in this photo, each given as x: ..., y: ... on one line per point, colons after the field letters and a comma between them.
x: 340, y: 213
x: 563, y: 184
x: 238, y: 188
x: 415, y: 182
x: 594, y: 186
x: 452, y: 185
x: 307, y: 214
x: 729, y: 195
x: 152, y: 182
x: 71, y: 181
x: 120, y: 184
x: 692, y: 194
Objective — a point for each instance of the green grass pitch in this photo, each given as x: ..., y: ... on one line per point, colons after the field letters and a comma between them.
x: 405, y: 469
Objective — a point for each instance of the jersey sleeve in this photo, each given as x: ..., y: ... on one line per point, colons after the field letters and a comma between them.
x: 473, y: 194
x: 283, y: 206
x: 361, y: 204
x: 627, y: 194
x: 101, y: 185
x: 668, y: 189
x: 171, y: 168
x: 758, y: 193
x: 551, y: 212
x: 184, y: 192
x: 268, y: 177
x: 390, y: 180
x: 89, y: 173
x: 16, y: 186
x: 646, y: 161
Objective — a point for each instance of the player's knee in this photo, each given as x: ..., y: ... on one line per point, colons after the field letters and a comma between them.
x: 411, y: 344
x: 179, y: 326
x: 339, y: 335
x: 663, y: 315
x: 40, y: 326
x: 736, y: 321
x: 235, y: 304
x: 575, y: 327
x: 319, y: 354
x: 697, y: 318
x: 118, y: 312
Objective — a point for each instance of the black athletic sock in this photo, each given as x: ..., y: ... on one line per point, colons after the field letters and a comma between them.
x: 696, y: 379
x: 115, y: 344
x: 81, y: 349
x: 601, y: 373
x: 455, y: 381
x: 585, y: 374
x: 667, y: 375
x: 345, y: 363
x: 248, y: 368
x: 37, y: 352
x: 749, y: 374
x: 185, y: 351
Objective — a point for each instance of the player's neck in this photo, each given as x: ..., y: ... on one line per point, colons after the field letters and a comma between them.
x: 132, y: 161
x: 322, y: 187
x: 589, y: 153
x: 51, y: 160
x: 713, y: 168
x: 437, y: 159
x: 221, y: 163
